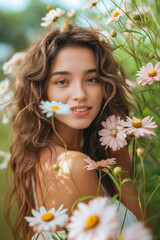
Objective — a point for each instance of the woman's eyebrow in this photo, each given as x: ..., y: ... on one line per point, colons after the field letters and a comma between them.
x: 68, y: 73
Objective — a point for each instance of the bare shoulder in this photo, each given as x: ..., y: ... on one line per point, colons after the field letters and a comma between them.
x: 70, y: 182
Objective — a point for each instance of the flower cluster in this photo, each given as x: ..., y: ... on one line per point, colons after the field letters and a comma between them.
x: 96, y: 220
x: 114, y: 133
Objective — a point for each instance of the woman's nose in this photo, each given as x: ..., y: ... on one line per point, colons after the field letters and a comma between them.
x: 78, y: 92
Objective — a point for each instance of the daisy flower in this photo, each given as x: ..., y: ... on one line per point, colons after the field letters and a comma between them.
x: 71, y: 13
x: 52, y: 16
x: 47, y: 221
x: 113, y: 134
x: 90, y: 4
x: 148, y: 74
x: 136, y: 232
x: 100, y: 164
x: 54, y: 107
x: 117, y: 13
x: 97, y: 220
x: 10, y: 66
x: 5, y: 157
x: 139, y: 127
x: 4, y: 87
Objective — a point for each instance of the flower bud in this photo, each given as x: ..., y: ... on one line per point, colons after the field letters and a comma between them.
x: 48, y: 8
x: 65, y: 25
x: 101, y: 39
x: 56, y: 167
x: 113, y: 33
x: 117, y: 171
x: 136, y: 17
x: 151, y: 55
x: 140, y: 152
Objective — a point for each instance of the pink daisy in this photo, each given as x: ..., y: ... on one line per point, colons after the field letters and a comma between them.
x: 117, y: 13
x: 100, y: 164
x: 113, y: 134
x: 92, y: 221
x: 148, y: 74
x: 90, y: 4
x: 136, y: 232
x: 139, y: 127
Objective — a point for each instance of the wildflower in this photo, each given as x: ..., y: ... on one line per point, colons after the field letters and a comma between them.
x: 100, y: 164
x: 140, y: 151
x: 136, y: 232
x: 52, y: 16
x: 112, y: 135
x: 5, y: 157
x: 97, y: 220
x: 90, y: 4
x: 4, y: 87
x: 47, y: 221
x: 54, y: 107
x: 148, y: 74
x: 139, y: 127
x: 117, y: 13
x: 10, y: 66
x: 71, y: 13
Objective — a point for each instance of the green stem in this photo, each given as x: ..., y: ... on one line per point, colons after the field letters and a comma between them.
x: 65, y: 147
x: 99, y: 182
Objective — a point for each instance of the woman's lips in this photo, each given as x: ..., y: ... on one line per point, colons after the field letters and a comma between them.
x: 80, y: 110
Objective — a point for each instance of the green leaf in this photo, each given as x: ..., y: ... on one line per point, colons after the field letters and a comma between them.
x: 126, y: 180
x: 79, y: 200
x: 114, y: 180
x: 115, y: 197
x: 131, y: 31
x: 54, y: 237
x: 152, y: 183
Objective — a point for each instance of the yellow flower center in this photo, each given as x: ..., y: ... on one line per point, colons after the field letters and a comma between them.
x: 92, y: 221
x: 47, y: 217
x: 113, y: 132
x: 152, y: 73
x: 120, y: 237
x: 137, y: 123
x: 115, y: 14
x: 54, y: 108
x: 98, y: 162
x: 3, y: 87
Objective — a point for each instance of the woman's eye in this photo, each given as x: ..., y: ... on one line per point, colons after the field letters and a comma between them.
x: 61, y: 82
x: 92, y: 80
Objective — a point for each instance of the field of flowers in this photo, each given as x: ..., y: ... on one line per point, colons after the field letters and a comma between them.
x: 133, y: 29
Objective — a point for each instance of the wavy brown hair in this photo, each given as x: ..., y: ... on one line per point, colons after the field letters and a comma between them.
x: 32, y: 130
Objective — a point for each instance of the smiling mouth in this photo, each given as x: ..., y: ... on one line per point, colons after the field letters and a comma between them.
x: 80, y: 109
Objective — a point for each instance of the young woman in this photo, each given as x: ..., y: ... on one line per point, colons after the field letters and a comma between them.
x: 74, y: 68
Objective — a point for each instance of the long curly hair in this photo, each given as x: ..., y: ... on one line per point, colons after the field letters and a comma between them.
x: 31, y: 128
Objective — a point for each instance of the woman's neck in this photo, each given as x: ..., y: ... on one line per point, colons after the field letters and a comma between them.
x: 71, y: 137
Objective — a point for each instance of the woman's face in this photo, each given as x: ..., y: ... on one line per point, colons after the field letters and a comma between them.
x: 73, y: 81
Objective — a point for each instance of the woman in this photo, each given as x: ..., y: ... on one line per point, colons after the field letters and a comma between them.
x: 74, y: 68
